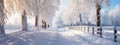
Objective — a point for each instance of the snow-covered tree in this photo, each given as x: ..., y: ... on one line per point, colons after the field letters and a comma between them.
x: 2, y: 18
x: 87, y: 9
x: 77, y: 7
x: 98, y: 21
x: 24, y: 21
x: 17, y: 6
x: 43, y: 9
x: 57, y: 22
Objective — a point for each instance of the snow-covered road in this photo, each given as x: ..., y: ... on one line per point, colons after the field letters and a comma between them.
x: 53, y: 37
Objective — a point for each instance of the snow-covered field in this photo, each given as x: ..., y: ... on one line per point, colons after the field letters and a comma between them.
x: 9, y: 31
x: 63, y: 36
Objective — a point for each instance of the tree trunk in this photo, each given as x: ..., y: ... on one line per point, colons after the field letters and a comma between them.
x: 2, y: 30
x: 36, y: 22
x: 99, y: 28
x: 24, y: 22
x: 43, y: 24
x: 98, y: 8
x: 80, y: 20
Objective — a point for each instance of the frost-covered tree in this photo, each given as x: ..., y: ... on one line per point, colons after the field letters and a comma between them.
x: 98, y: 8
x: 43, y: 9
x: 2, y: 18
x: 57, y: 22
x: 77, y: 7
x: 24, y: 21
x: 17, y: 6
x: 87, y: 9
x: 98, y: 21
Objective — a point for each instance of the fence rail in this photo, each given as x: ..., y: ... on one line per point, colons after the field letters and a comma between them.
x: 105, y: 31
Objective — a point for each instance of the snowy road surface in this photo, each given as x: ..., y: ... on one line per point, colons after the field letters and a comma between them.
x: 53, y: 37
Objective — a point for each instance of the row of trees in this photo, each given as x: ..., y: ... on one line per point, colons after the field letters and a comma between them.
x: 85, y: 12
x: 44, y: 9
x: 86, y: 8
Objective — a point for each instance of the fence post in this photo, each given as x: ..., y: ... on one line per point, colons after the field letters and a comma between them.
x: 115, y: 36
x: 101, y: 32
x: 93, y: 30
x: 88, y: 28
x: 84, y: 29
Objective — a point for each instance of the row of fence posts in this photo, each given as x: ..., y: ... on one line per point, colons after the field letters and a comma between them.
x: 99, y: 31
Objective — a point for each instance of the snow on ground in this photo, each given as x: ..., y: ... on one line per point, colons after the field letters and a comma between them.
x: 64, y: 36
x: 33, y: 37
x: 9, y: 31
